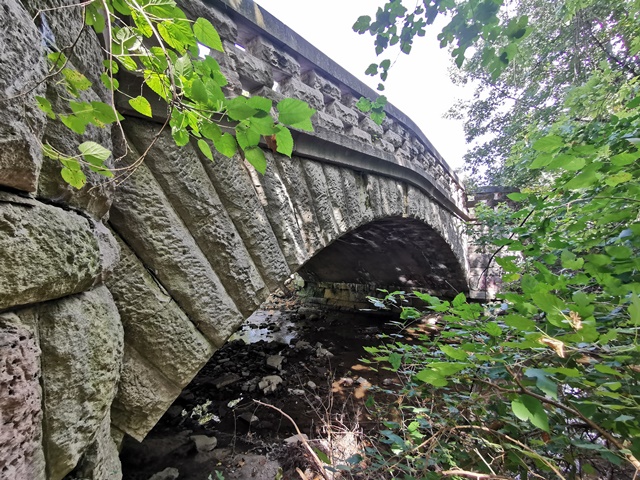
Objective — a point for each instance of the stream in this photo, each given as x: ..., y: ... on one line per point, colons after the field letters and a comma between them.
x: 302, y: 360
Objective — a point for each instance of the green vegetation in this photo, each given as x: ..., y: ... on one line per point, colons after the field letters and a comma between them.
x: 546, y: 383
x: 153, y: 43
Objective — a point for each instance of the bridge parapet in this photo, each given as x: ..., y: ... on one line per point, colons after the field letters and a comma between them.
x: 265, y: 57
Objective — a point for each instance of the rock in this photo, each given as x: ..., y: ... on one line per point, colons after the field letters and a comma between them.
x: 275, y: 361
x: 47, y: 252
x: 228, y: 379
x: 82, y: 346
x: 296, y: 438
x: 296, y: 391
x: 21, y: 454
x: 166, y: 474
x: 249, y: 417
x: 270, y: 383
x: 311, y: 385
x: 204, y: 443
x: 323, y: 352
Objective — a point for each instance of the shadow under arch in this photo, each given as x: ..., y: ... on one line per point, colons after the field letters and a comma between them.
x: 390, y: 253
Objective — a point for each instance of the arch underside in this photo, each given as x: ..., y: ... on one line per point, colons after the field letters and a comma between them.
x: 393, y: 252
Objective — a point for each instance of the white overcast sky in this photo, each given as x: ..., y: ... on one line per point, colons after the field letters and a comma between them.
x: 418, y: 84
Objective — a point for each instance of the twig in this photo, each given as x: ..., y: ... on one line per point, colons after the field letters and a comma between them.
x: 318, y: 463
x: 474, y: 475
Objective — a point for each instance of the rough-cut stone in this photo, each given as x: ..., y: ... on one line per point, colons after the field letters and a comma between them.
x: 371, y: 127
x: 293, y: 87
x: 82, y: 340
x: 333, y: 177
x: 318, y: 189
x: 253, y: 72
x: 187, y: 186
x: 324, y: 120
x: 302, y: 201
x: 47, y: 252
x: 281, y: 214
x: 101, y: 461
x: 144, y: 217
x: 154, y: 325
x: 318, y: 82
x: 393, y: 138
x: 233, y: 183
x: 276, y: 57
x: 22, y: 67
x: 144, y: 394
x: 21, y: 455
x: 356, y: 201
x: 360, y: 135
x: 346, y: 115
x: 384, y: 145
x: 391, y: 197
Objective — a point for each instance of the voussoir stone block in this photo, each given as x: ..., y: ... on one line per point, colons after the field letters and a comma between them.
x: 81, y: 338
x: 48, y: 252
x: 21, y: 454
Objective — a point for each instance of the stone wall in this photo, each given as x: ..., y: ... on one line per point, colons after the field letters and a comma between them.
x: 112, y: 299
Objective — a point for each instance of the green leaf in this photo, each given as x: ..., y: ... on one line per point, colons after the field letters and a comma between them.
x: 525, y: 407
x: 543, y: 382
x: 205, y: 149
x: 284, y: 142
x: 395, y: 359
x: 141, y: 105
x: 75, y: 178
x: 493, y: 329
x: 260, y: 103
x: 255, y: 156
x: 226, y: 145
x: 520, y: 323
x: 456, y: 354
x: 94, y: 153
x: 207, y: 34
x: 75, y: 123
x: 459, y: 300
x: 210, y: 130
x: 198, y: 92
x: 548, y: 144
x: 623, y: 159
x: 45, y: 106
x: 239, y: 109
x: 570, y: 261
x: 295, y: 113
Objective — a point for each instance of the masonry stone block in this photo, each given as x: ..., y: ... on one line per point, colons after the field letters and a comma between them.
x: 404, y: 158
x: 48, y: 252
x: 371, y: 127
x: 253, y: 72
x: 317, y: 184
x: 346, y: 115
x: 237, y: 192
x: 384, y: 145
x: 187, y: 186
x: 154, y: 325
x: 277, y: 57
x: 21, y: 454
x: 292, y: 87
x: 144, y: 394
x: 333, y: 177
x: 225, y: 26
x: 81, y: 338
x: 22, y: 67
x: 391, y: 197
x: 328, y: 122
x: 143, y: 215
x: 360, y: 135
x: 101, y: 461
x: 281, y: 213
x: 318, y: 82
x: 393, y: 138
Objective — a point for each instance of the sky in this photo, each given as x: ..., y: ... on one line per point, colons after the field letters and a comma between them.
x: 418, y: 83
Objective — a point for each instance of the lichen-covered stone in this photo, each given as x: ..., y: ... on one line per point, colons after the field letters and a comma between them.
x: 144, y: 217
x: 22, y: 67
x: 81, y: 338
x: 47, y: 252
x: 154, y: 325
x: 21, y: 454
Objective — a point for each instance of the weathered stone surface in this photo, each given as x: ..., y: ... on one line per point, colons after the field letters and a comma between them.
x: 324, y: 120
x: 21, y: 454
x: 281, y: 214
x: 302, y: 201
x: 144, y: 394
x: 360, y: 135
x: 346, y: 115
x: 293, y: 87
x: 82, y: 340
x: 101, y: 461
x: 333, y: 177
x: 318, y: 82
x: 154, y: 325
x: 187, y: 186
x: 47, y: 252
x: 356, y: 200
x: 319, y: 191
x: 384, y: 145
x: 281, y: 60
x: 233, y: 183
x: 143, y: 216
x: 254, y: 72
x: 371, y: 127
x: 22, y: 66
x: 391, y: 197
x: 393, y: 138
x: 227, y: 29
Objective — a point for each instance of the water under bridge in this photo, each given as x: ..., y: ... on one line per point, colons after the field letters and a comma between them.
x: 112, y: 298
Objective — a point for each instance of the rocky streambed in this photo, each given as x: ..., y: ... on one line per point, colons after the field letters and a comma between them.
x: 287, y: 361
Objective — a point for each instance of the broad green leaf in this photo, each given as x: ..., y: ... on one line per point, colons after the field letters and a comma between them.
x: 226, y: 145
x: 198, y: 92
x: 525, y: 407
x: 75, y: 123
x: 75, y: 178
x: 543, y: 382
x: 284, y: 142
x: 619, y: 252
x: 456, y: 354
x: 238, y: 109
x: 623, y: 159
x: 260, y: 103
x: 395, y: 359
x: 94, y: 153
x: 141, y: 105
x: 205, y: 149
x: 295, y: 113
x: 210, y: 130
x: 460, y: 299
x: 570, y: 261
x: 207, y: 34
x: 618, y: 178
x: 431, y: 377
x: 493, y: 329
x: 255, y: 156
x: 520, y: 323
x: 548, y: 144
x: 45, y: 106
x: 77, y: 81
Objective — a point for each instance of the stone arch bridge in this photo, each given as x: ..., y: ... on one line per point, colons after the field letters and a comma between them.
x: 112, y: 298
